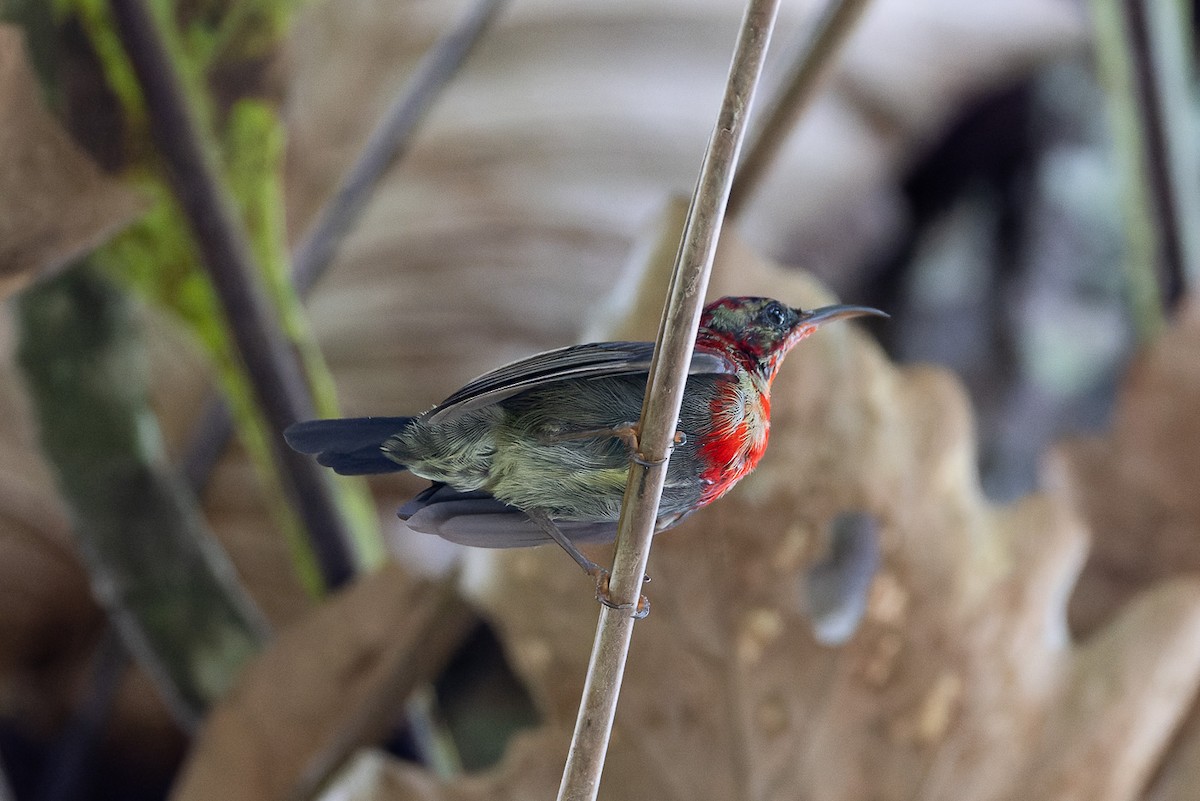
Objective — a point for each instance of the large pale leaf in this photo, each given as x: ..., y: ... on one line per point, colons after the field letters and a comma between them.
x: 1137, y: 485
x: 573, y: 121
x: 962, y: 682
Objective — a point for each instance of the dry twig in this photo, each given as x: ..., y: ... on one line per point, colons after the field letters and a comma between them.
x: 827, y: 36
x: 660, y: 411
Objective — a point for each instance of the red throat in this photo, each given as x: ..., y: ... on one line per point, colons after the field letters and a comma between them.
x: 733, y: 451
x: 765, y: 364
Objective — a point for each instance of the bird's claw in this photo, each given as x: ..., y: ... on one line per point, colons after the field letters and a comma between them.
x: 628, y: 433
x: 604, y: 596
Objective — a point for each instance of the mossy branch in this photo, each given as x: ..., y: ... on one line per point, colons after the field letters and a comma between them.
x: 387, y: 143
x: 278, y: 382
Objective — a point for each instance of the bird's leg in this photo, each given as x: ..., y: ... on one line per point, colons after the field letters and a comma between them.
x: 626, y: 432
x: 599, y: 574
x: 543, y: 521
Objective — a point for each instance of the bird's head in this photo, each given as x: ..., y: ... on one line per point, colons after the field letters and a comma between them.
x: 759, y: 332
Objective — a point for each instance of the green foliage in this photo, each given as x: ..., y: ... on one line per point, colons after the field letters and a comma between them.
x: 157, y: 256
x: 254, y: 147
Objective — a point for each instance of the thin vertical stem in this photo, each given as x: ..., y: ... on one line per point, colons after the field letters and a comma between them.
x: 1144, y: 62
x: 660, y: 411
x: 387, y: 143
x: 1149, y: 46
x: 274, y: 369
x: 828, y: 34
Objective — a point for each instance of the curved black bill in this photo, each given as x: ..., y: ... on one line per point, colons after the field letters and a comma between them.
x: 827, y: 314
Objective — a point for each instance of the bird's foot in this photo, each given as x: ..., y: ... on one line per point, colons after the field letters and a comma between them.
x: 604, y: 595
x: 629, y: 433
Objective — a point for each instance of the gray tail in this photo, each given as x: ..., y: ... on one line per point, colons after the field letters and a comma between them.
x: 352, y: 447
x: 478, y: 519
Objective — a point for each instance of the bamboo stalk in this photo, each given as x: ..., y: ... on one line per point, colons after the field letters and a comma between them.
x: 660, y: 411
x: 826, y: 38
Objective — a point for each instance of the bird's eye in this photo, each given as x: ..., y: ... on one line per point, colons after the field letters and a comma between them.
x: 775, y: 315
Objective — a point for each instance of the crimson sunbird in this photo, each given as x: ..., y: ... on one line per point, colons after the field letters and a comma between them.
x: 539, y: 450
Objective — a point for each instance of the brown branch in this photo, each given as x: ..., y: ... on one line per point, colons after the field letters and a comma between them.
x: 660, y: 411
x: 387, y: 143
x: 273, y: 368
x: 827, y: 37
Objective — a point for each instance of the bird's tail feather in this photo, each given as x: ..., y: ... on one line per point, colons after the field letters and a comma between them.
x: 351, y: 446
x: 478, y: 519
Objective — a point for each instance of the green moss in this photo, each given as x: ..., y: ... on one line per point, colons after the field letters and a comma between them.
x: 158, y: 257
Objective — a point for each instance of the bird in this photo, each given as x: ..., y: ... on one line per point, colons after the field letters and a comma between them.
x: 539, y: 450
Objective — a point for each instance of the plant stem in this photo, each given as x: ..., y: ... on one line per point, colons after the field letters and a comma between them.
x: 1143, y: 59
x: 798, y: 89
x: 660, y: 410
x: 1154, y: 61
x: 279, y: 385
x: 387, y: 143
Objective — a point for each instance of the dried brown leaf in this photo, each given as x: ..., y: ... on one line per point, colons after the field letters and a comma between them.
x: 331, y: 680
x: 1136, y: 487
x: 962, y: 682
x: 55, y: 204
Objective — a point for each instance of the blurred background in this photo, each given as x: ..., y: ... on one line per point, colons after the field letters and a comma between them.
x: 1013, y: 182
